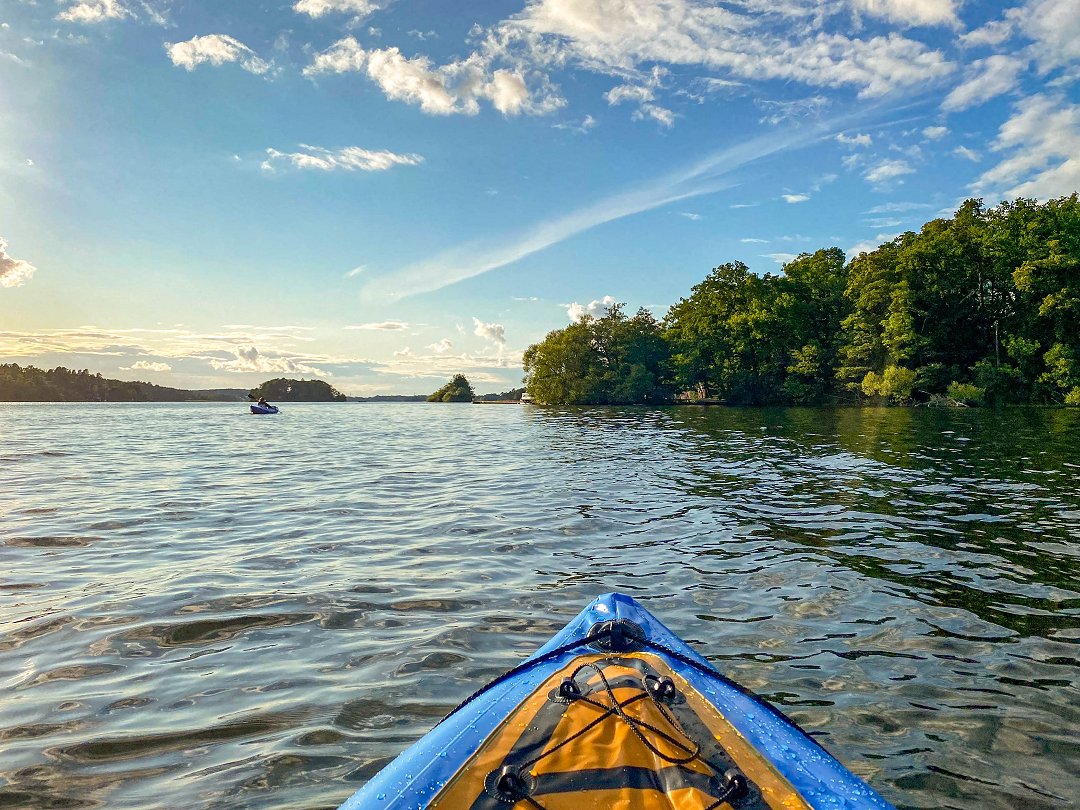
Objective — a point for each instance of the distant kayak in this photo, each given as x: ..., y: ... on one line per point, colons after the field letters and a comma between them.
x: 615, y: 711
x: 264, y: 409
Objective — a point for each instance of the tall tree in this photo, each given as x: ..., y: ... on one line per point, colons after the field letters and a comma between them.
x: 610, y: 360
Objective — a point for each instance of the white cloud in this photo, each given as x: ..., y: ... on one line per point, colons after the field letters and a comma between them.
x: 442, y: 347
x: 94, y: 11
x: 870, y: 245
x: 661, y: 115
x: 781, y: 258
x: 344, y: 56
x: 935, y: 133
x: 993, y: 33
x: 249, y: 358
x: 911, y: 12
x: 381, y: 326
x: 690, y: 216
x: 888, y: 170
x: 146, y: 365
x: 351, y: 158
x: 740, y: 41
x: 795, y: 198
x: 587, y: 123
x: 485, y: 368
x: 317, y: 8
x: 643, y: 96
x: 13, y: 272
x: 1043, y: 137
x: 1054, y: 25
x: 628, y: 92
x: 594, y: 309
x: 862, y: 139
x: 985, y: 79
x: 750, y: 240
x: 967, y: 154
x: 217, y: 49
x: 494, y: 332
x: 457, y: 87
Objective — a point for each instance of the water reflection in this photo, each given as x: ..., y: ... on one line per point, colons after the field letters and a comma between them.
x: 904, y: 583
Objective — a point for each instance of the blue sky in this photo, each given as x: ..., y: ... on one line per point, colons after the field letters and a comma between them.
x: 382, y: 193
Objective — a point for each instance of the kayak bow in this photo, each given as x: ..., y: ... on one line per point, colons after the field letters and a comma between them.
x: 615, y: 711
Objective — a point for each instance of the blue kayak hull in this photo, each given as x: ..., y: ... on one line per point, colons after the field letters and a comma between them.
x: 259, y: 409
x: 424, y: 769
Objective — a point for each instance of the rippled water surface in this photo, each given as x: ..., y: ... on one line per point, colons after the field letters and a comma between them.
x: 201, y: 608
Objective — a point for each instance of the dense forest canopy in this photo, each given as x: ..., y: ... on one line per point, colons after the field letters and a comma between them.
x: 282, y: 389
x: 983, y: 307
x: 611, y: 360
x: 30, y: 384
x: 457, y: 390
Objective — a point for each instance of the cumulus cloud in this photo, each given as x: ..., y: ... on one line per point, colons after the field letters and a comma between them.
x: 985, y: 79
x: 317, y: 8
x: 249, y: 358
x: 690, y: 215
x: 381, y: 326
x: 216, y: 49
x: 795, y: 198
x: 442, y: 347
x: 888, y: 170
x: 457, y: 87
x: 935, y: 133
x: 781, y: 258
x: 146, y: 365
x: 493, y: 332
x: 595, y: 309
x: 13, y: 272
x: 967, y: 154
x: 911, y: 12
x: 351, y: 158
x: 1042, y: 139
x: 861, y: 139
x: 94, y: 11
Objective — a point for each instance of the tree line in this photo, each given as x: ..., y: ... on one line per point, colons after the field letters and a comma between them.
x: 980, y: 308
x: 31, y: 384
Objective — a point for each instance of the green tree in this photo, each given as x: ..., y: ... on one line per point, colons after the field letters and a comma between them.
x: 457, y: 390
x: 282, y: 389
x: 716, y: 335
x: 610, y: 360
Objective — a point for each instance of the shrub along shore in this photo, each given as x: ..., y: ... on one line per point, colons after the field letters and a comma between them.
x: 981, y: 308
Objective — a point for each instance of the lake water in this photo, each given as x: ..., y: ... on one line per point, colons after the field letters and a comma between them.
x: 203, y: 608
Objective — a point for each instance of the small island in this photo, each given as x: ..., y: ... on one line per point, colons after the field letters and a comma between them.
x: 286, y: 390
x: 457, y: 390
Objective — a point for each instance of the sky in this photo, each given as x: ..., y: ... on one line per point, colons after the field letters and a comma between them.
x: 383, y: 193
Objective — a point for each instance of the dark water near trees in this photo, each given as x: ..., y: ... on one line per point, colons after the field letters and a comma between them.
x: 200, y: 608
